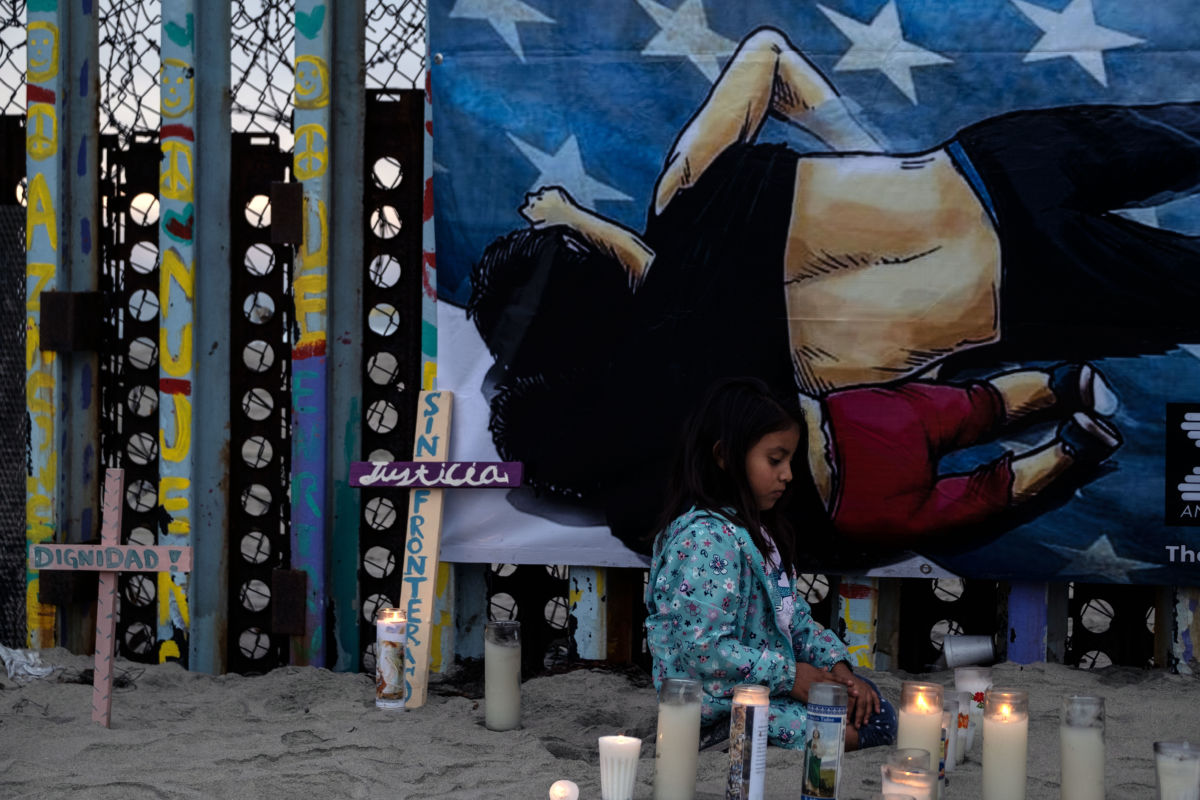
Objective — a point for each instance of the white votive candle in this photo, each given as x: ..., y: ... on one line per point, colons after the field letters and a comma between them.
x: 677, y: 747
x: 1081, y: 735
x: 564, y: 790
x: 975, y: 681
x: 1177, y: 768
x: 920, y: 784
x: 618, y: 766
x: 1005, y: 744
x: 502, y: 675
x: 921, y: 719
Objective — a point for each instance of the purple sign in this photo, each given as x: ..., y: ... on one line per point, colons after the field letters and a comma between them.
x: 436, y: 474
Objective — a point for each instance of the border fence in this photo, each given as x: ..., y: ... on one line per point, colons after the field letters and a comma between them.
x: 261, y: 607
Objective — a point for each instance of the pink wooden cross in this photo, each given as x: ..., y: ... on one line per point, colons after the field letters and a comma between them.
x: 109, y: 558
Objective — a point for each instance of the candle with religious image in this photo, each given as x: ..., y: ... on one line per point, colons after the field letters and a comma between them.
x: 976, y: 681
x: 1005, y: 744
x: 391, y: 634
x: 748, y: 743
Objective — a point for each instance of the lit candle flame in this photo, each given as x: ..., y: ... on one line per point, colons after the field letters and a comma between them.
x: 1005, y: 711
x: 392, y: 615
x: 922, y: 704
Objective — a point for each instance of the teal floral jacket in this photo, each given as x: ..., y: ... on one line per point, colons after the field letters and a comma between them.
x: 712, y: 618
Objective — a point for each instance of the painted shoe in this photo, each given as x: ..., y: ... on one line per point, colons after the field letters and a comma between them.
x: 1082, y: 387
x: 1089, y: 439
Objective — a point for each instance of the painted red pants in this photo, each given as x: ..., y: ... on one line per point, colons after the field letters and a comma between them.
x: 886, y: 446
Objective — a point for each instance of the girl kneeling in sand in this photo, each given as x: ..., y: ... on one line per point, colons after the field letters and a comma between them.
x: 723, y: 603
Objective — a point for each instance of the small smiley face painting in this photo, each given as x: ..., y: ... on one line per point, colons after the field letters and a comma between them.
x: 42, y: 55
x: 177, y: 89
x: 312, y: 82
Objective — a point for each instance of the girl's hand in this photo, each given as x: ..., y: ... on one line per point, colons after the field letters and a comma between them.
x: 549, y: 206
x: 806, y: 676
x: 862, y: 700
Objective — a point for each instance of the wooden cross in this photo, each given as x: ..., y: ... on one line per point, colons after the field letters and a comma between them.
x: 109, y: 558
x: 426, y: 482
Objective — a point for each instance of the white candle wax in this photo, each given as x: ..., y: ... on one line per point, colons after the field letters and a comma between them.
x: 564, y: 790
x: 1082, y: 763
x: 921, y: 729
x: 1005, y: 750
x: 965, y: 701
x: 501, y: 686
x: 676, y: 751
x: 618, y: 766
x: 919, y: 785
x: 1178, y: 776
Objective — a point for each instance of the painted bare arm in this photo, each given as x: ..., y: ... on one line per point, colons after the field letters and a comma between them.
x: 766, y: 76
x: 553, y: 205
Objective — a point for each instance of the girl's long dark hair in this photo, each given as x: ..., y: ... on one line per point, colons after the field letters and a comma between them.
x: 730, y: 419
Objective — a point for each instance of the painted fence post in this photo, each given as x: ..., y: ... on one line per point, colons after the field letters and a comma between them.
x: 345, y: 321
x: 858, y: 608
x: 79, y: 438
x: 310, y: 290
x: 44, y: 107
x: 207, y: 595
x: 1027, y: 622
x: 176, y: 296
x: 588, y: 603
x: 470, y: 609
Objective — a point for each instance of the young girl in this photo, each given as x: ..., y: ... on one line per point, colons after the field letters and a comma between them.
x: 722, y: 597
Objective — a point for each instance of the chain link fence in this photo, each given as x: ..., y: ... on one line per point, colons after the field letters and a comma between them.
x: 263, y: 35
x: 12, y: 57
x: 395, y: 45
x: 129, y: 59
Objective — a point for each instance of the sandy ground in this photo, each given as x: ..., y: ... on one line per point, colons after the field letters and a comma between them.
x: 300, y: 733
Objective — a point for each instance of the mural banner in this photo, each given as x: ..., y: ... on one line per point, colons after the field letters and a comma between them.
x: 958, y: 240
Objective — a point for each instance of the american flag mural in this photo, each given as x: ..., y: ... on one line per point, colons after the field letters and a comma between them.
x: 980, y: 257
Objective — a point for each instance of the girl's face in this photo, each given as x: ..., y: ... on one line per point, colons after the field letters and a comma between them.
x: 769, y: 466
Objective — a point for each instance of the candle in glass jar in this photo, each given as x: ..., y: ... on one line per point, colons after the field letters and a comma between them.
x: 1005, y: 744
x: 390, y: 637
x: 502, y: 675
x: 965, y: 701
x: 618, y: 766
x: 748, y: 717
x: 1177, y: 769
x: 975, y: 681
x: 677, y: 748
x: 921, y: 719
x: 920, y: 784
x: 1081, y: 736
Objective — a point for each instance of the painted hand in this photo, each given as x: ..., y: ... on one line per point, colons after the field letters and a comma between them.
x: 549, y: 206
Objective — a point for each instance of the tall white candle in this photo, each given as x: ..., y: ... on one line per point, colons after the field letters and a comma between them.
x: 1005, y: 744
x: 677, y: 748
x: 965, y: 702
x: 975, y: 681
x: 618, y: 766
x: 748, y: 742
x: 1177, y: 767
x: 1081, y: 735
x: 502, y: 676
x: 921, y: 719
